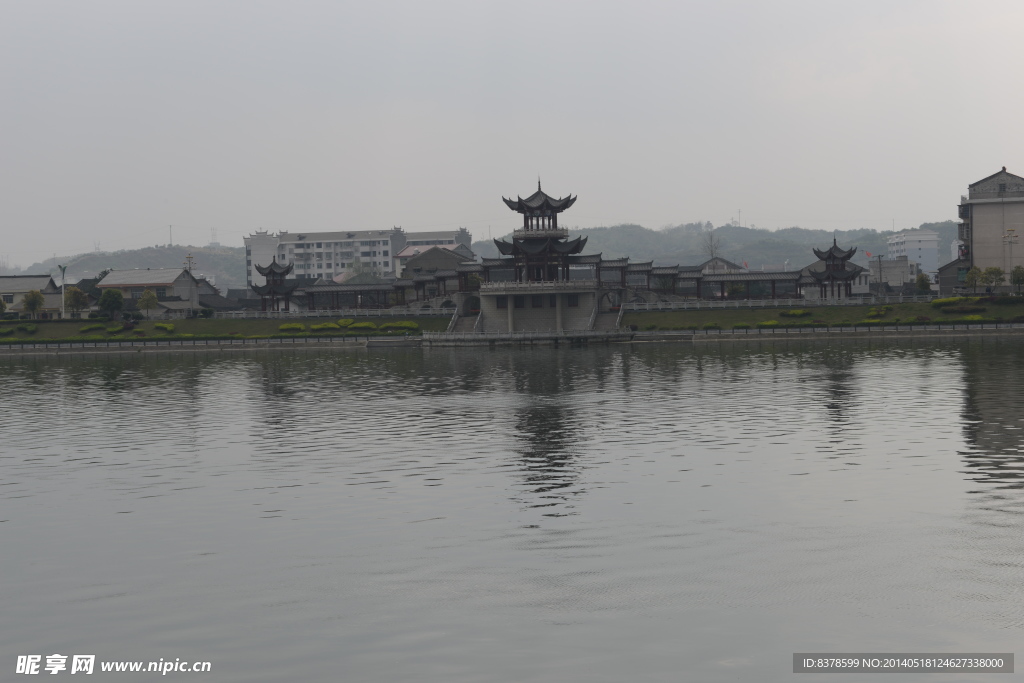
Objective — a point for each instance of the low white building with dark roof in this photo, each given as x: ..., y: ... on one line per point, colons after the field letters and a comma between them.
x: 165, y: 283
x: 13, y: 289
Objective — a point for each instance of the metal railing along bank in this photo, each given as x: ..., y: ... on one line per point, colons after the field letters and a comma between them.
x: 141, y: 343
x: 706, y: 304
x: 342, y: 313
x: 517, y: 336
x: 769, y: 331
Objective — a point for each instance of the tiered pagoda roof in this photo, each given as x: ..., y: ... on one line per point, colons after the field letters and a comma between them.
x: 274, y: 268
x: 539, y: 203
x: 835, y: 252
x: 535, y: 246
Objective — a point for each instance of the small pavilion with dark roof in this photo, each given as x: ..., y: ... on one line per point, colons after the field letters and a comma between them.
x: 832, y: 273
x: 277, y: 288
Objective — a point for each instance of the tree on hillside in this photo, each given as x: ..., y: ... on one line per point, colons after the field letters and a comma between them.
x: 33, y: 302
x: 972, y: 278
x: 75, y: 300
x: 3, y: 306
x: 710, y: 244
x: 147, y: 301
x: 112, y: 302
x: 1017, y: 277
x: 923, y: 282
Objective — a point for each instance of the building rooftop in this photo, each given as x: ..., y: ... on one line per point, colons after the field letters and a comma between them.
x: 156, y: 277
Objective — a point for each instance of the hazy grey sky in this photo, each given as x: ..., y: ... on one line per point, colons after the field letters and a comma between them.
x: 119, y: 118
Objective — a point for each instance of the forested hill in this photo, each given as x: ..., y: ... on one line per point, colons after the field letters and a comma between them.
x: 225, y: 264
x: 757, y: 246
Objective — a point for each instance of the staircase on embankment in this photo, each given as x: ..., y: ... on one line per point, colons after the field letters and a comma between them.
x: 605, y: 322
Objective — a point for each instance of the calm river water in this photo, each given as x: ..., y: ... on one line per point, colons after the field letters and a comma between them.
x: 650, y: 512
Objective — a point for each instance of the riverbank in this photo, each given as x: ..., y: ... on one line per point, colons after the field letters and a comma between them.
x: 754, y: 314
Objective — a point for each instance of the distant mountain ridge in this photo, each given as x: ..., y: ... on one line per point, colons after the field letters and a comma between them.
x: 225, y: 264
x: 758, y: 247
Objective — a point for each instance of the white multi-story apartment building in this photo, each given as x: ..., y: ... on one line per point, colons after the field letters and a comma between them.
x: 918, y: 246
x: 333, y: 255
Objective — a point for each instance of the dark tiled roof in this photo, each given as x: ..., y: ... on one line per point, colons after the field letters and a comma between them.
x: 539, y: 202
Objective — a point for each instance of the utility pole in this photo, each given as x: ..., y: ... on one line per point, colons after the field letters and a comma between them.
x: 170, y: 236
x: 62, y: 269
x: 880, y: 275
x: 189, y: 263
x: 1009, y: 239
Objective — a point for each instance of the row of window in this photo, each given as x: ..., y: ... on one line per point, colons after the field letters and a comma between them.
x: 321, y: 245
x: 329, y: 265
x: 537, y: 301
x: 342, y: 254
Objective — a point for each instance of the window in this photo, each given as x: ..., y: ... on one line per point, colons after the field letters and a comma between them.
x: 501, y: 301
x: 385, y: 253
x: 574, y: 300
x: 329, y: 265
x: 553, y: 300
x: 537, y: 301
x: 386, y: 265
x: 364, y: 253
x: 319, y: 245
x: 8, y: 298
x: 519, y: 301
x: 161, y: 292
x: 136, y: 292
x: 1002, y: 187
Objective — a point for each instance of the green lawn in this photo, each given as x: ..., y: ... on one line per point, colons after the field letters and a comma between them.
x: 826, y: 315
x: 198, y: 326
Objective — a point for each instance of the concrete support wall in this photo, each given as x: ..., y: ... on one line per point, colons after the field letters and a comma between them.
x: 543, y: 319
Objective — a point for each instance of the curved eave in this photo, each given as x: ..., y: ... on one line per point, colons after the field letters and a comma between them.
x: 539, y: 202
x: 835, y: 251
x: 505, y: 248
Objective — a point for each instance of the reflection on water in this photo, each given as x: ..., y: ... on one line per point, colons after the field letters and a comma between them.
x: 466, y: 514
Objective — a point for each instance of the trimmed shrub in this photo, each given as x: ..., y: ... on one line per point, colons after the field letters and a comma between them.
x: 4, y: 331
x: 292, y: 327
x: 711, y: 326
x: 795, y: 313
x: 344, y: 322
x: 879, y: 311
x: 114, y: 329
x: 322, y: 327
x: 27, y: 328
x: 939, y: 303
x: 961, y: 310
x: 362, y: 325
x: 768, y: 323
x: 166, y: 327
x: 401, y: 325
x: 91, y: 328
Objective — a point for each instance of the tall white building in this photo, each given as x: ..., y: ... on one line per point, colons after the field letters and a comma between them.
x: 918, y: 246
x: 333, y: 255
